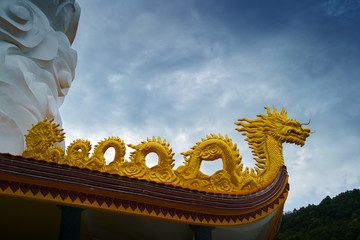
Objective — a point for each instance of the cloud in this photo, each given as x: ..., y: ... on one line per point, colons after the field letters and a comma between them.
x: 184, y: 69
x: 337, y: 8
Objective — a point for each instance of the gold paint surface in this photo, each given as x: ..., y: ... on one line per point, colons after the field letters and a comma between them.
x: 265, y: 136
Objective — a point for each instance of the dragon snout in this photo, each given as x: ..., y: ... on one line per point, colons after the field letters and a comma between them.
x: 307, y: 131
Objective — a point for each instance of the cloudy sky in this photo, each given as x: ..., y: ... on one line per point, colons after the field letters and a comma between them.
x: 182, y: 69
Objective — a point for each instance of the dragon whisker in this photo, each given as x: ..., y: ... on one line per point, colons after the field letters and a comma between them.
x: 306, y: 123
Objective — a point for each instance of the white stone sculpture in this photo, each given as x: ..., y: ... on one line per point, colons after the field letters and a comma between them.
x: 37, y: 64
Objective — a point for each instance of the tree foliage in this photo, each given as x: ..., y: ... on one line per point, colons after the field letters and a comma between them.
x: 336, y: 218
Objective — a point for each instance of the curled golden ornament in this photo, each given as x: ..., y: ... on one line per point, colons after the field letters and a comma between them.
x: 132, y: 169
x: 221, y: 181
x: 223, y: 185
x: 77, y: 153
x: 33, y: 140
x: 199, y: 184
x: 210, y: 151
x: 187, y: 172
x: 163, y: 174
x: 56, y: 154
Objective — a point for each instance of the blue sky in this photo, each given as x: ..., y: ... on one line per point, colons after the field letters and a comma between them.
x: 184, y: 69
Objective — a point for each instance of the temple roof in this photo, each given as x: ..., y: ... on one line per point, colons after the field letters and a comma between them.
x: 62, y: 184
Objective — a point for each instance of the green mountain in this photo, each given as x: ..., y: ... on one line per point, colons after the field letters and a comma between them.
x: 334, y: 218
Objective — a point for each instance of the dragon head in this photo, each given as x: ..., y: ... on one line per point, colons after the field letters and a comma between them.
x: 276, y: 125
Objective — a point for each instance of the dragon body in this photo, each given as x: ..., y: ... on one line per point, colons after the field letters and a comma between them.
x: 265, y: 136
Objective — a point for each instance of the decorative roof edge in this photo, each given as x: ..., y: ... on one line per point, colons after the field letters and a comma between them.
x: 90, y: 192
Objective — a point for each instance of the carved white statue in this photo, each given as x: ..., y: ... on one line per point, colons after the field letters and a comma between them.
x: 37, y: 64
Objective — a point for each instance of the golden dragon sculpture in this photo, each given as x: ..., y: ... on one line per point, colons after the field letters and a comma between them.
x: 265, y: 136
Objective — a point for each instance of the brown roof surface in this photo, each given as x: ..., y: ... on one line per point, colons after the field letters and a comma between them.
x: 51, y: 182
